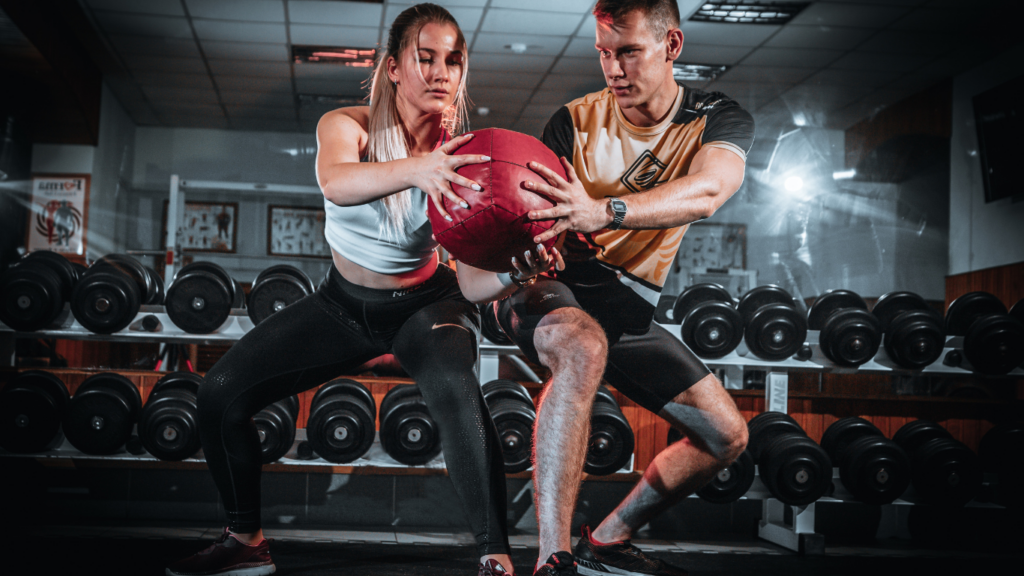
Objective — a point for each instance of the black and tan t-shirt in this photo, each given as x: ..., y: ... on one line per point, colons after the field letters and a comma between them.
x: 615, y: 158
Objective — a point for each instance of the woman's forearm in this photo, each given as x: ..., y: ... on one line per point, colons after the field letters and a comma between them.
x: 355, y: 183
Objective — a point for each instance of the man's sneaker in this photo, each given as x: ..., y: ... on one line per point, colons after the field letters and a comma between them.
x: 226, y: 557
x: 622, y: 558
x: 492, y: 568
x: 558, y: 564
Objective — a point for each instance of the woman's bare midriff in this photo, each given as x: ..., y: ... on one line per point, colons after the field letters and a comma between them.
x: 360, y: 276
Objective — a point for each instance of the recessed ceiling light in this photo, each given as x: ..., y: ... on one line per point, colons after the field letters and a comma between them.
x: 310, y: 100
x: 483, y: 111
x: 748, y: 12
x: 344, y: 55
x: 697, y: 72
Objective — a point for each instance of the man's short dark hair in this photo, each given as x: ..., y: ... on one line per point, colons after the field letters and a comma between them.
x: 661, y: 15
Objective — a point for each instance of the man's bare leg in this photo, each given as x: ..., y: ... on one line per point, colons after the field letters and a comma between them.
x: 573, y: 346
x: 716, y: 434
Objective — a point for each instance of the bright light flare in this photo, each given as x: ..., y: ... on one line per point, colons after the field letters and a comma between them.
x: 794, y: 184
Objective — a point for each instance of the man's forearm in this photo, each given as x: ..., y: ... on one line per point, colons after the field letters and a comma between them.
x: 684, y: 200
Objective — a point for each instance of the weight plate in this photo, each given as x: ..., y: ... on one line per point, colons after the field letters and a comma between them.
x: 60, y: 265
x: 105, y: 301
x: 408, y: 433
x: 695, y: 295
x: 946, y: 472
x: 874, y: 469
x: 843, y: 432
x: 994, y: 344
x: 797, y: 470
x: 766, y: 426
x: 276, y: 428
x: 273, y: 294
x: 850, y: 336
x: 611, y: 441
x: 288, y: 270
x: 169, y: 424
x: 31, y: 408
x: 238, y: 299
x: 506, y: 389
x: 394, y: 394
x: 490, y: 327
x: 346, y: 386
x: 915, y: 338
x: 830, y: 302
x: 1017, y: 310
x: 731, y: 483
x: 763, y: 296
x: 341, y: 425
x: 892, y: 304
x: 1002, y: 447
x: 712, y: 329
x: 198, y: 302
x: 133, y: 269
x: 188, y: 381
x: 605, y: 396
x: 158, y: 285
x: 291, y: 404
x: 775, y: 332
x: 119, y: 385
x: 30, y: 297
x: 514, y: 421
x: 100, y: 416
x: 912, y: 435
x: 963, y: 311
x: 663, y: 313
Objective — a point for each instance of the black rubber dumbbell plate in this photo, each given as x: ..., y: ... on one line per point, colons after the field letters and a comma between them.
x: 775, y: 332
x: 273, y: 294
x: 31, y: 297
x: 341, y: 426
x: 731, y: 484
x: 199, y: 302
x: 31, y: 408
x: 60, y: 265
x: 892, y: 304
x: 489, y: 326
x: 514, y: 421
x: 712, y: 329
x: 875, y: 470
x: 695, y: 295
x: 611, y: 441
x: 844, y: 432
x: 796, y: 470
x: 762, y: 296
x: 133, y: 269
x: 850, y: 337
x: 915, y: 338
x: 830, y: 302
x: 912, y: 435
x: 994, y: 344
x: 506, y: 389
x: 963, y: 311
x: 946, y: 472
x: 188, y: 381
x: 346, y: 385
x: 105, y: 301
x: 168, y: 426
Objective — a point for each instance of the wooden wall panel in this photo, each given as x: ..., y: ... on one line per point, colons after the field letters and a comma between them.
x: 1005, y: 282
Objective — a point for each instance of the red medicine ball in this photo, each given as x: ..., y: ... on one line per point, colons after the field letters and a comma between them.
x: 495, y: 227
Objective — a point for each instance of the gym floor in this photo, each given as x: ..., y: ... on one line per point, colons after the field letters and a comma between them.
x: 134, y: 550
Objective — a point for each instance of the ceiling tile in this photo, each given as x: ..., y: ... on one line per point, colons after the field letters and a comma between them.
x: 544, y: 111
x: 578, y: 66
x: 253, y: 83
x: 535, y: 45
x: 250, y: 98
x: 871, y: 78
x: 199, y: 109
x: 854, y: 15
x: 749, y: 95
x: 858, y: 60
x: 930, y: 19
x: 176, y: 80
x: 575, y: 6
x: 191, y: 120
x: 829, y: 37
x: 273, y: 112
x: 579, y: 84
x: 791, y: 57
x: 512, y: 63
x: 766, y: 74
x: 532, y: 126
x: 251, y: 68
x: 812, y: 101
x: 333, y: 35
x: 559, y: 97
x: 908, y: 42
x: 264, y: 125
x: 589, y: 27
x: 143, y: 25
x: 726, y: 34
x: 164, y: 7
x: 164, y: 94
x: 329, y: 87
x: 581, y: 47
x: 154, y: 46
x: 144, y: 64
x: 239, y: 31
x: 337, y: 13
x: 529, y: 22
x: 710, y: 54
x: 467, y: 17
x: 499, y: 98
x: 896, y: 2
x: 239, y: 10
x: 245, y: 51
x: 332, y: 72
x: 483, y: 78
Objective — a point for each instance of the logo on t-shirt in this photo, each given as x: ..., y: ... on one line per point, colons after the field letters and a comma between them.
x: 644, y: 173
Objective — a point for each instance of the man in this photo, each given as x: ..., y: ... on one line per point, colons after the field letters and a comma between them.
x: 644, y: 157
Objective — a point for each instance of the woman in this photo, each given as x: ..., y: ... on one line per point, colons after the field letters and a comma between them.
x: 386, y: 292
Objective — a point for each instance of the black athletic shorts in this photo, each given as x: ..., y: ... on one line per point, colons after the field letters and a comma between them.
x: 645, y: 362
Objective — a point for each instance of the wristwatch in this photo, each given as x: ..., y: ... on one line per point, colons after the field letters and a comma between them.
x: 521, y: 283
x: 618, y: 213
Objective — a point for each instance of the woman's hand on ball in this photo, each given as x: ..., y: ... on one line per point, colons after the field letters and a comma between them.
x: 574, y: 210
x: 540, y: 262
x: 437, y: 170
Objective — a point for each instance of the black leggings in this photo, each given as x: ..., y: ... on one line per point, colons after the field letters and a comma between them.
x: 432, y: 330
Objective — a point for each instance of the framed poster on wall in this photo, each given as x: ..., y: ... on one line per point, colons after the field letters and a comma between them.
x: 59, y: 215
x: 296, y: 231
x: 207, y: 226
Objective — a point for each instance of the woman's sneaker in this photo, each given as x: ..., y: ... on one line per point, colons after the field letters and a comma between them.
x: 228, y: 556
x: 492, y: 568
x: 618, y: 558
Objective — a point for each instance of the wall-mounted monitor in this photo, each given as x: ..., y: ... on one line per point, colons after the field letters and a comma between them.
x: 999, y: 118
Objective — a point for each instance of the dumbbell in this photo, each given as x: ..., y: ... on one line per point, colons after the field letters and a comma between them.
x: 407, y: 432
x: 276, y: 288
x: 663, y: 313
x: 35, y: 289
x: 168, y: 425
x: 158, y: 283
x: 514, y: 414
x: 1017, y: 311
x: 611, y: 440
x: 849, y: 334
x: 342, y: 421
x: 108, y: 297
x: 712, y: 327
x: 100, y: 416
x: 773, y: 327
x: 794, y: 468
x: 914, y: 332
x: 276, y: 427
x: 993, y: 339
x: 730, y: 483
x: 1002, y: 453
x: 31, y: 408
x: 489, y: 326
x: 872, y: 467
x: 201, y: 296
x: 943, y: 470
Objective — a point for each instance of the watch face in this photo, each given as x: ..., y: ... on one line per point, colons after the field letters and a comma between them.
x: 618, y: 205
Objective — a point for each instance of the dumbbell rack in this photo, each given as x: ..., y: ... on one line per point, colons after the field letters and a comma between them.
x: 787, y: 526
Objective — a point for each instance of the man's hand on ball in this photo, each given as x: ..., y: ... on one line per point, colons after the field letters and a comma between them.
x: 536, y: 262
x: 437, y: 170
x: 575, y: 209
